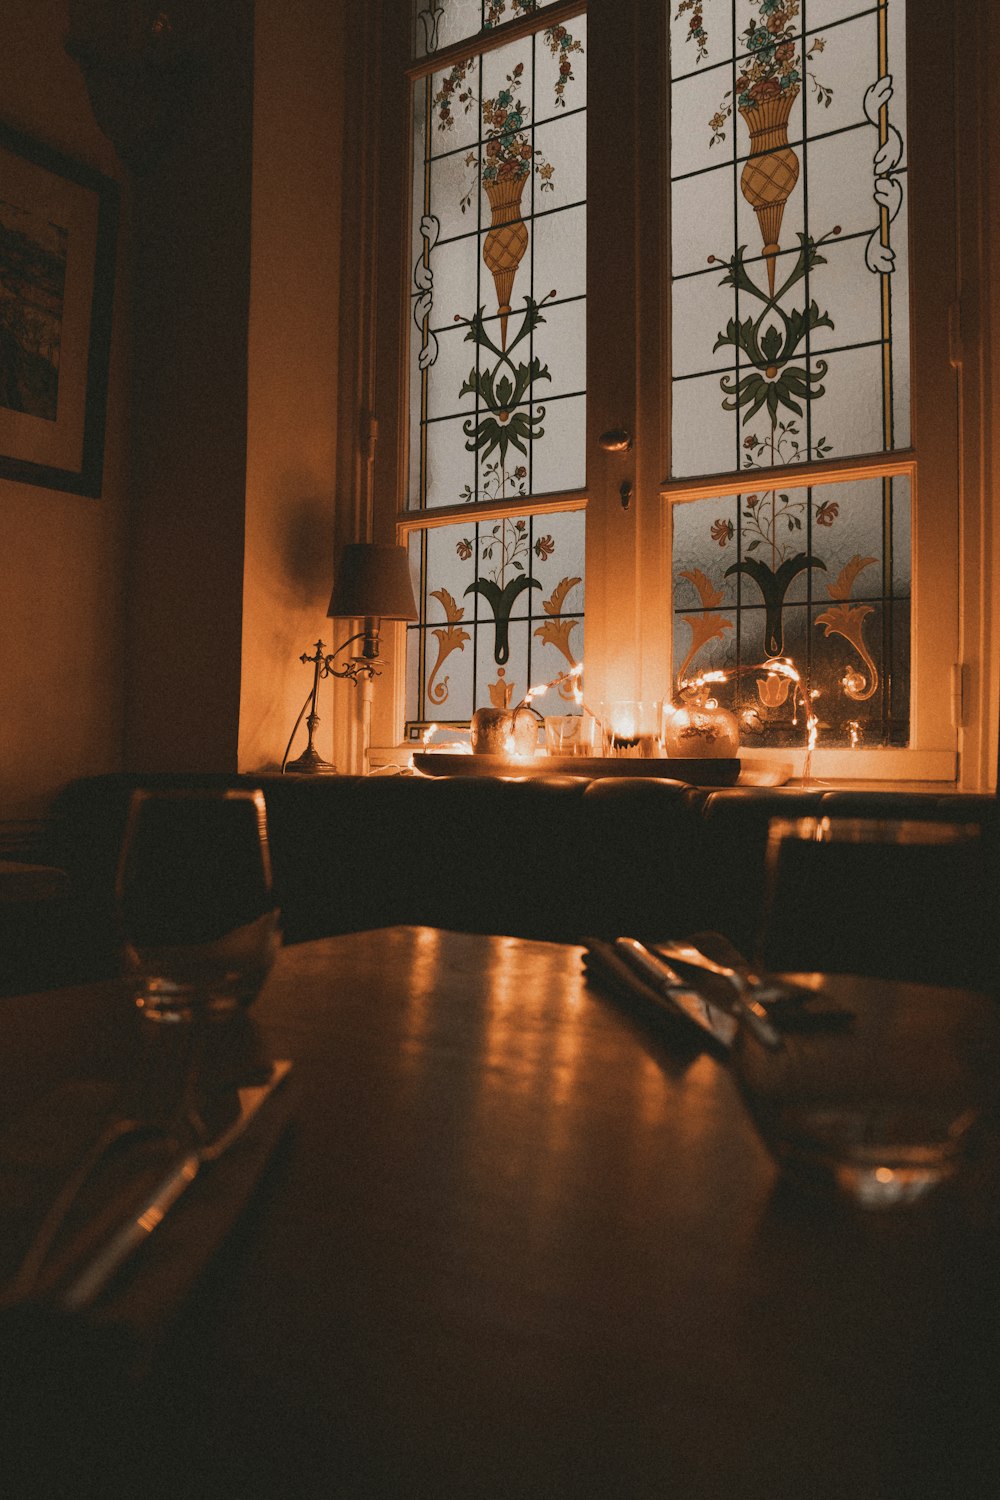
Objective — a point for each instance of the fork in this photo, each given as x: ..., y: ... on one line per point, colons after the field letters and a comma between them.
x: 743, y: 984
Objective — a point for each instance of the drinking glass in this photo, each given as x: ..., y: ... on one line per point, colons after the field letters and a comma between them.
x: 198, y: 918
x: 630, y: 728
x: 884, y: 1108
x: 888, y: 898
x: 565, y: 734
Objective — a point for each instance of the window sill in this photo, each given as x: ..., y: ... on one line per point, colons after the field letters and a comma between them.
x: 760, y: 768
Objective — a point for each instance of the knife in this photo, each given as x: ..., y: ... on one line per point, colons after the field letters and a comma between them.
x: 127, y: 1238
x: 630, y: 967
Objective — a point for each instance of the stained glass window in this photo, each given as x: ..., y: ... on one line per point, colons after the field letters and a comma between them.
x: 501, y: 610
x: 498, y: 358
x: 764, y: 182
x: 818, y: 575
x: 790, y: 346
x: 790, y: 308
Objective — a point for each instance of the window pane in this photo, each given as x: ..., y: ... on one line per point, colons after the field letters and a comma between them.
x: 818, y: 574
x: 501, y: 610
x: 497, y: 365
x: 788, y: 243
x: 439, y: 23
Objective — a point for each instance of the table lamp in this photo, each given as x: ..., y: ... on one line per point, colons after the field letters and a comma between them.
x: 373, y: 583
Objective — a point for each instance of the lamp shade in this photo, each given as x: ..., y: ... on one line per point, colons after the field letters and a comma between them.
x: 373, y: 579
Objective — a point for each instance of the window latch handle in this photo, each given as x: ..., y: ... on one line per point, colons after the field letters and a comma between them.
x: 617, y: 440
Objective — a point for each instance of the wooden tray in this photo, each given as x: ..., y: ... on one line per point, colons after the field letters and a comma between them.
x: 695, y: 771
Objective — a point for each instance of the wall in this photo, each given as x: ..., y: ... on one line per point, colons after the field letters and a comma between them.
x: 192, y: 277
x: 298, y: 179
x: 61, y: 561
x: 160, y: 627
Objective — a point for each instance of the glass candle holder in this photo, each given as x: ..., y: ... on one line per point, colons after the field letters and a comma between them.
x: 630, y: 728
x: 566, y: 734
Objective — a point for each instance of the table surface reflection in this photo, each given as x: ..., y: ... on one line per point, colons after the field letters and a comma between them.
x: 519, y: 1243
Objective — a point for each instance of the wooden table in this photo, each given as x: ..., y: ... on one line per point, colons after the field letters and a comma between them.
x: 519, y: 1244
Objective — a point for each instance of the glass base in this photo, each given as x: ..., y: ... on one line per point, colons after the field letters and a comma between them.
x: 162, y: 1000
x: 890, y: 1187
x: 823, y: 1149
x: 176, y: 982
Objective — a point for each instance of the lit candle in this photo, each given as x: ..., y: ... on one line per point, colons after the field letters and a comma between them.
x: 624, y: 724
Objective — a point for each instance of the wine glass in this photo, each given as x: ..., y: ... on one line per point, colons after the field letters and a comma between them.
x: 199, y: 923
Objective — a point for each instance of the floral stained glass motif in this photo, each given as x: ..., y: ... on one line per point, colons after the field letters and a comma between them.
x: 501, y: 610
x: 497, y: 370
x: 497, y: 366
x: 819, y: 575
x: 439, y: 23
x: 788, y: 252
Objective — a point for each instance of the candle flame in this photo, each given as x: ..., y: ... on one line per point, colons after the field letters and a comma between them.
x: 623, y: 723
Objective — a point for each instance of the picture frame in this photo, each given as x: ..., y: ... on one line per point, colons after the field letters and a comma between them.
x: 58, y: 234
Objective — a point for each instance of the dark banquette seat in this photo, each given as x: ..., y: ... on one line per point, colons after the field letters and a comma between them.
x: 552, y: 857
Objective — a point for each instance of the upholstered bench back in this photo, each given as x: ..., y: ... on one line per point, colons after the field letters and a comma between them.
x: 552, y: 857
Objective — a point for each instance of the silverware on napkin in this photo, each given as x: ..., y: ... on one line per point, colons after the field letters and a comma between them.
x: 786, y: 1005
x: 136, y: 1229
x: 628, y: 968
x: 199, y: 1135
x: 739, y: 1005
x: 744, y: 988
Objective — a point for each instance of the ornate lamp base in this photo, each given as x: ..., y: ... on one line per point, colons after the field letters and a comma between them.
x: 310, y: 763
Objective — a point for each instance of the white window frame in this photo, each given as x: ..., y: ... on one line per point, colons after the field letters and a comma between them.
x: 628, y: 650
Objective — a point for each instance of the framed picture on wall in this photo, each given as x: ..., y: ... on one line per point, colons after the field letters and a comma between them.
x: 58, y: 225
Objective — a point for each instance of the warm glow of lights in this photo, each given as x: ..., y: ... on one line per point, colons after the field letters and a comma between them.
x: 509, y: 747
x: 884, y: 1174
x: 624, y: 724
x: 447, y: 747
x: 572, y: 674
x: 771, y: 693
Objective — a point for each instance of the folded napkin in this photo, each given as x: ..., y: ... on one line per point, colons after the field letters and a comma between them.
x: 74, y: 1384
x: 89, y: 1153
